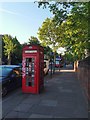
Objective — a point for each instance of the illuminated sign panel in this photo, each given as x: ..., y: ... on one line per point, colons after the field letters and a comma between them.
x: 30, y: 51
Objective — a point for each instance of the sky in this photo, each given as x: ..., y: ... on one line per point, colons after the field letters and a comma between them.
x: 21, y: 19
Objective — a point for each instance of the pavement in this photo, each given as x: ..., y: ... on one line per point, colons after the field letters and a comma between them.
x: 63, y: 97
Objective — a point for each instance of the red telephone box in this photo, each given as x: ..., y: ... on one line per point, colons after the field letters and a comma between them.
x: 32, y: 69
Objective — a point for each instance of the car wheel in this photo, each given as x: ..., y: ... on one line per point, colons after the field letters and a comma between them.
x: 4, y: 91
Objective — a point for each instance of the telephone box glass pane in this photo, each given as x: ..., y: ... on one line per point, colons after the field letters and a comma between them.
x: 30, y: 72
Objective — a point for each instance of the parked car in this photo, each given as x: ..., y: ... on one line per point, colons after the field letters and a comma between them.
x: 58, y: 64
x: 10, y: 78
x: 46, y: 67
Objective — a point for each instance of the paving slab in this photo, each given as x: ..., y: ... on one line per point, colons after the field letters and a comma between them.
x: 40, y: 116
x: 14, y: 114
x: 49, y: 103
x: 23, y: 108
x: 43, y: 110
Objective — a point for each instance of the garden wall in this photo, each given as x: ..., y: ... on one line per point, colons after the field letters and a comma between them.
x: 83, y: 73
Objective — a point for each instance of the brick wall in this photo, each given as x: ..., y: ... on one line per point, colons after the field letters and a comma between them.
x: 83, y: 73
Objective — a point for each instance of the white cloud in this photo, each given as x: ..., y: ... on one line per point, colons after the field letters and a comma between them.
x: 8, y: 11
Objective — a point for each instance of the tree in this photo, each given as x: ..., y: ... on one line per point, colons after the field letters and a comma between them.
x: 81, y: 15
x: 75, y: 32
x: 49, y: 35
x: 47, y: 52
x: 9, y: 47
x: 74, y: 25
x: 34, y: 40
x: 17, y: 54
x: 25, y: 43
x: 58, y: 9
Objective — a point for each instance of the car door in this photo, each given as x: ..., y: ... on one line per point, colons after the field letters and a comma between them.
x: 12, y: 82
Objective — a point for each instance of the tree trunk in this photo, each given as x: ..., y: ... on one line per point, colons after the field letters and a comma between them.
x: 54, y: 62
x: 76, y: 65
x: 9, y: 59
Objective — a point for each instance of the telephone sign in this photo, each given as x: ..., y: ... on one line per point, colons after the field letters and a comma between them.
x: 32, y: 69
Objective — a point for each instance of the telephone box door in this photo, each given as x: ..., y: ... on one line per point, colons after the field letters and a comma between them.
x: 29, y: 73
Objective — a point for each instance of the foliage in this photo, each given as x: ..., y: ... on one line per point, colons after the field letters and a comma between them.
x: 47, y: 52
x: 76, y: 31
x: 9, y: 47
x: 71, y: 20
x: 48, y: 34
x: 58, y: 9
x: 12, y: 49
x: 17, y: 55
x: 25, y: 43
x: 33, y: 40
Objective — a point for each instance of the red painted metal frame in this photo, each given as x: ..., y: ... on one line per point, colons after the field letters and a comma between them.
x: 38, y: 68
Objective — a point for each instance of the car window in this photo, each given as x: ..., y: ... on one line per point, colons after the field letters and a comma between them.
x: 5, y: 71
x: 57, y: 62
